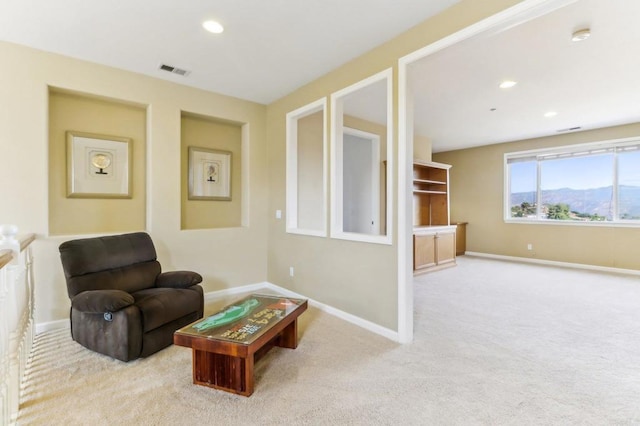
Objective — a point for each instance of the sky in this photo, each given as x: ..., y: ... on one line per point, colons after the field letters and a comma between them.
x: 593, y: 171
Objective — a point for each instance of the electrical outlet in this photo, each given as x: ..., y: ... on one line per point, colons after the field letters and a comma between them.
x: 278, y: 214
x: 290, y: 271
x: 529, y: 246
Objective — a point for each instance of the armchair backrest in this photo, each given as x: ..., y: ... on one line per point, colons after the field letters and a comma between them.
x: 121, y: 262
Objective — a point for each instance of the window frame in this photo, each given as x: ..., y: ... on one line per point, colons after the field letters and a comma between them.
x: 336, y: 170
x: 292, y: 201
x: 537, y: 154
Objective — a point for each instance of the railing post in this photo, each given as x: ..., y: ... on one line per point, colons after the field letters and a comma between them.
x: 4, y: 349
x: 8, y: 241
x: 16, y: 319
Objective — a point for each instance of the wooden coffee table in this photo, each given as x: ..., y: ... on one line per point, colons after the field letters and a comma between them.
x: 226, y: 345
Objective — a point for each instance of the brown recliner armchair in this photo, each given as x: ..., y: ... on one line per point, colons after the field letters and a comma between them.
x: 122, y: 305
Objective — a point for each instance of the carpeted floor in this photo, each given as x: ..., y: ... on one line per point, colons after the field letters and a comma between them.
x: 495, y: 343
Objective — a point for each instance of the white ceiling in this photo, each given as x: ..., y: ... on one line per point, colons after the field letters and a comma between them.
x: 269, y: 47
x: 591, y: 84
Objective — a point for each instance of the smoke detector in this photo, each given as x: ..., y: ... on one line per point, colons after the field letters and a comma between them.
x: 581, y: 35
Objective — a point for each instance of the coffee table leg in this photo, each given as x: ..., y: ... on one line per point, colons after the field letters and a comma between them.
x: 248, y: 375
x: 289, y: 336
x: 225, y: 372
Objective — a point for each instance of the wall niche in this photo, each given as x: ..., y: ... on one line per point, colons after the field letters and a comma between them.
x: 219, y: 136
x: 78, y: 213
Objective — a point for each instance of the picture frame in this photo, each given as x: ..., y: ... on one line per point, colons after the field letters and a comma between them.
x: 98, y: 166
x: 209, y: 174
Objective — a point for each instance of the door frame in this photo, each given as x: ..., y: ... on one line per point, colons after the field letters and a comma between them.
x: 512, y: 16
x: 375, y: 172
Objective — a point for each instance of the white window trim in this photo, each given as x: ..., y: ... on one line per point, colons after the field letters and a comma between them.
x: 292, y: 168
x: 591, y: 146
x: 337, y: 231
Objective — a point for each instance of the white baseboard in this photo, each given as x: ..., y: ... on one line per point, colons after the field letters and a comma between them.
x: 41, y: 327
x: 367, y: 325
x: 218, y: 294
x: 214, y: 295
x: 360, y: 322
x: 554, y: 263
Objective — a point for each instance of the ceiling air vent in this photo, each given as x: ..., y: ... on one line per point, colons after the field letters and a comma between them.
x: 174, y: 70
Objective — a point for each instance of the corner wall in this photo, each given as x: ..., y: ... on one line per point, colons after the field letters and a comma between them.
x: 226, y: 257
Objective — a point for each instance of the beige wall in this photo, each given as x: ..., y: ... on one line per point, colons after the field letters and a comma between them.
x: 210, y: 133
x: 73, y: 216
x: 421, y: 148
x: 477, y: 182
x: 369, y: 127
x: 359, y: 278
x: 225, y: 257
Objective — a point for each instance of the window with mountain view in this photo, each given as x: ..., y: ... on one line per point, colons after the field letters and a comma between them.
x: 629, y: 184
x: 583, y: 183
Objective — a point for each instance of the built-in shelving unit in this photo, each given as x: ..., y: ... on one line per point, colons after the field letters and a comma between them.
x: 431, y: 194
x: 434, y: 238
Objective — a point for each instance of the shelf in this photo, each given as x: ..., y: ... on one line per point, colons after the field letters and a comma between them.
x: 430, y: 229
x: 424, y: 191
x: 436, y: 182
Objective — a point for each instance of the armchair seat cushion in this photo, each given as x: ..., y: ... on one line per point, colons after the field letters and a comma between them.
x: 158, y: 304
x: 101, y: 301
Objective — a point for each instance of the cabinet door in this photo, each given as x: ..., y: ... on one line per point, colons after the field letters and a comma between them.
x: 445, y: 247
x: 424, y: 251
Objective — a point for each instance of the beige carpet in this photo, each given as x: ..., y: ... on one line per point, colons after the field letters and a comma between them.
x: 495, y: 343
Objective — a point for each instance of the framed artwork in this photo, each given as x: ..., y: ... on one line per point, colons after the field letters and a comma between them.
x: 209, y: 174
x: 98, y: 166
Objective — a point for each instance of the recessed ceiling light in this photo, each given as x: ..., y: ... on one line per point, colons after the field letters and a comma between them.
x: 507, y: 84
x: 550, y: 114
x: 213, y: 27
x: 581, y: 35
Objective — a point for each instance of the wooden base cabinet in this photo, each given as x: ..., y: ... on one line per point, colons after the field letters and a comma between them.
x: 434, y: 248
x: 461, y: 238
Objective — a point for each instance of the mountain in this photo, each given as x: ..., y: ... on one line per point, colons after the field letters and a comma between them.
x: 590, y: 201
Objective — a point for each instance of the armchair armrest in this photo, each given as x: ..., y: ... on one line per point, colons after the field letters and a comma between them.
x: 101, y: 301
x: 178, y: 279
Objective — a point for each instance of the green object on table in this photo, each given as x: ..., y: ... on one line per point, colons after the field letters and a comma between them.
x: 229, y: 315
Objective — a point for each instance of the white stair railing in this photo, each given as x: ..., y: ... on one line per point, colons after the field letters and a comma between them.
x: 16, y: 318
